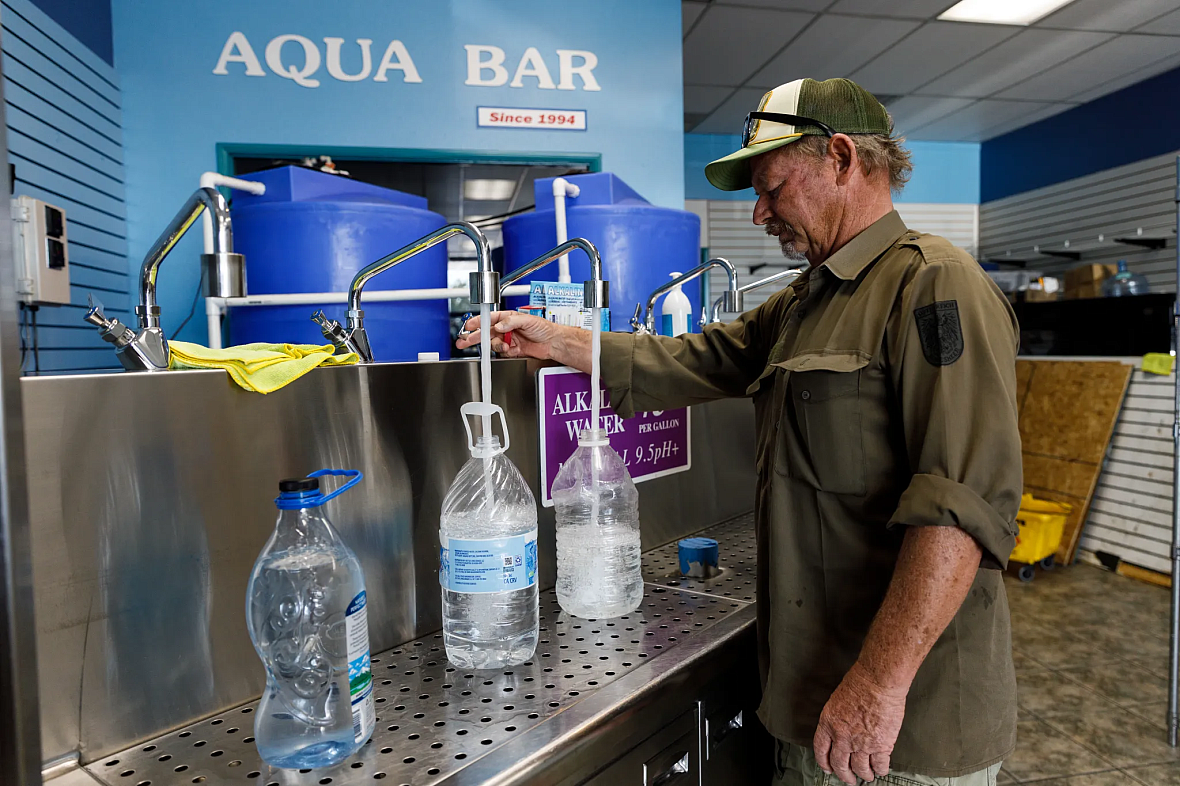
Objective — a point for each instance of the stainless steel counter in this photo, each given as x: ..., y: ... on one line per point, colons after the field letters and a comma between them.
x: 593, y: 691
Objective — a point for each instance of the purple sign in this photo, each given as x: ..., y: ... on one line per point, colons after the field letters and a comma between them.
x: 652, y: 444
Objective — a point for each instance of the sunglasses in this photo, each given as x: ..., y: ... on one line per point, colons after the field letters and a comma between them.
x: 795, y: 120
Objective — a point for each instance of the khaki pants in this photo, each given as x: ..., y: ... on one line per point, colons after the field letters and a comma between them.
x: 796, y: 766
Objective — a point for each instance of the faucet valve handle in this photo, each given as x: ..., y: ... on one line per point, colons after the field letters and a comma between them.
x: 332, y: 330
x: 637, y: 325
x: 111, y: 330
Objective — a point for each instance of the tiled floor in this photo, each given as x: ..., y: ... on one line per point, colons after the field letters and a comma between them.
x: 1091, y: 651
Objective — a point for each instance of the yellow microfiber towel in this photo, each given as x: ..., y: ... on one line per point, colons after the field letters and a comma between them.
x: 263, y: 368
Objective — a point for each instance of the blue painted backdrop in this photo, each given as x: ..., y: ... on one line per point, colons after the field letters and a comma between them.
x: 944, y: 172
x: 176, y: 110
x: 1131, y: 124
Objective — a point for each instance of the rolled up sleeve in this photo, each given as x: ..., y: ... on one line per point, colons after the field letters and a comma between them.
x: 645, y: 373
x: 953, y: 362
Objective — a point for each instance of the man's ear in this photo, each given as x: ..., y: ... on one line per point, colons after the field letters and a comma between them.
x: 843, y: 157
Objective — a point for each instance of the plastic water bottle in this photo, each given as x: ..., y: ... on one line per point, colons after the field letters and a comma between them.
x: 1124, y: 282
x: 306, y: 613
x: 488, y: 562
x: 675, y: 312
x: 598, y: 563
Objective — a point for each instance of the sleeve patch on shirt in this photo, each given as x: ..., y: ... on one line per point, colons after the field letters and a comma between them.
x: 940, y: 332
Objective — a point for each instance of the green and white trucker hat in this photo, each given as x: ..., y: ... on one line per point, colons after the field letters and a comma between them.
x: 805, y: 106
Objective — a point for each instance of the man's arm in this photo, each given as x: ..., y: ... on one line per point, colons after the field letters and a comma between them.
x: 951, y: 352
x: 861, y: 720
x: 649, y: 372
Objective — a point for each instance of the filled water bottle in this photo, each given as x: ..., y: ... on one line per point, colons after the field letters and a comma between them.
x: 488, y: 556
x: 1124, y: 282
x: 307, y: 616
x: 598, y: 564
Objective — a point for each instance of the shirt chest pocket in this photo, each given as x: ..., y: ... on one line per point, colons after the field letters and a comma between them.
x: 820, y: 437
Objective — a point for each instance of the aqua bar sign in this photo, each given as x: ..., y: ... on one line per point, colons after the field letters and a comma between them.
x: 303, y: 61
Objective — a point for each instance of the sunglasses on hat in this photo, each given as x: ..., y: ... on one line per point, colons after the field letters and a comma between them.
x: 777, y: 117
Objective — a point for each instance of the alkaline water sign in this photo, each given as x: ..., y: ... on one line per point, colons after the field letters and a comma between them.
x: 652, y: 444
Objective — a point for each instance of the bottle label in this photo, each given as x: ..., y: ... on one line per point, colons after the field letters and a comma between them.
x: 360, y: 674
x: 488, y: 565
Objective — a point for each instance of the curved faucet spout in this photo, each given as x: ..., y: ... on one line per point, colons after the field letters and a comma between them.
x: 356, y: 338
x: 554, y: 254
x: 223, y: 242
x: 785, y: 276
x: 644, y: 320
x: 482, y: 254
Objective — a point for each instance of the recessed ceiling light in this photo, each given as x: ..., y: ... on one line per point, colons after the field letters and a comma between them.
x: 1001, y: 12
x: 489, y: 190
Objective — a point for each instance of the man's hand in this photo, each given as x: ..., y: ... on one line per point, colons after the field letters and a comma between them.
x: 532, y: 337
x: 858, y: 727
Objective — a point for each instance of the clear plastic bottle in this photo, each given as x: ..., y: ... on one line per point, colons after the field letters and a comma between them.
x: 1124, y: 282
x: 598, y: 562
x: 488, y: 563
x: 307, y: 616
x: 675, y: 312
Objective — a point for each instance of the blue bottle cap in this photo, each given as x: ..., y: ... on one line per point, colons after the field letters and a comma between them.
x: 697, y: 556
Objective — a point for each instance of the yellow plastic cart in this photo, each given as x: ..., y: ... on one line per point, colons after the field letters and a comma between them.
x: 1042, y: 523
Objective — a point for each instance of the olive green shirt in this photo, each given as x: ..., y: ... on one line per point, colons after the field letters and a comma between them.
x: 884, y: 391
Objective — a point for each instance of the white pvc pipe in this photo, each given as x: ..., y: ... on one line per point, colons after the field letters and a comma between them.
x: 213, y: 180
x: 215, y: 306
x: 561, y: 189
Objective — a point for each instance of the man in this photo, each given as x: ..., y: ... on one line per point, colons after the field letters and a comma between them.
x: 888, y: 454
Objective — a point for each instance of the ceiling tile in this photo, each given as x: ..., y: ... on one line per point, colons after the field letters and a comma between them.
x: 1118, y: 15
x: 1118, y: 83
x: 968, y: 123
x: 1118, y: 57
x: 1024, y: 55
x: 782, y: 5
x: 914, y: 9
x: 728, y: 118
x: 1168, y: 24
x: 833, y: 46
x: 689, y: 11
x: 704, y: 98
x: 730, y: 43
x: 927, y: 54
x: 916, y: 111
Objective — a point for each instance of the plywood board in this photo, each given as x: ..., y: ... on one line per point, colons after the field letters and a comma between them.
x: 1068, y: 411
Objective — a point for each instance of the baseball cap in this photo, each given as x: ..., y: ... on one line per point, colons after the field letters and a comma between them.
x: 805, y: 106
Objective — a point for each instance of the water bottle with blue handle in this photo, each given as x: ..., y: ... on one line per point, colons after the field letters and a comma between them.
x: 307, y: 616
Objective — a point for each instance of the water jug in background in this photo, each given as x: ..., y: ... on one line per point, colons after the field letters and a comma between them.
x: 597, y: 506
x: 488, y: 557
x: 307, y: 616
x: 1124, y: 282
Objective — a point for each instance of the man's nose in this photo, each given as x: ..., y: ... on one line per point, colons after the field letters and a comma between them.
x: 762, y: 211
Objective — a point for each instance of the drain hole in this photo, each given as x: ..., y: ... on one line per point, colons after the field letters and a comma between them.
x: 378, y: 776
x: 125, y: 773
x: 485, y: 742
x: 460, y: 756
x: 357, y: 765
x: 112, y: 762
x: 181, y: 768
x: 408, y: 760
x: 432, y: 771
x: 325, y: 780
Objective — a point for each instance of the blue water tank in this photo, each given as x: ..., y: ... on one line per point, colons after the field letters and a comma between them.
x: 640, y: 244
x: 312, y: 232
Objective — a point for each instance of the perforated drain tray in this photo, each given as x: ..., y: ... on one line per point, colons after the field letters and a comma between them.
x: 433, y: 719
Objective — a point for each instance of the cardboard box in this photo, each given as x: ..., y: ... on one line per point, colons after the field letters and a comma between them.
x: 562, y: 303
x: 1085, y: 281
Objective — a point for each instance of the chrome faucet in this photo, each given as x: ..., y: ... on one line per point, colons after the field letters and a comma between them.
x: 782, y: 275
x: 595, y: 292
x: 644, y: 321
x: 146, y: 349
x: 355, y: 338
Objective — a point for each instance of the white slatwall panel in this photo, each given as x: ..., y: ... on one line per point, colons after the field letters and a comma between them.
x: 1113, y: 202
x: 65, y: 140
x: 732, y: 235
x: 1131, y: 513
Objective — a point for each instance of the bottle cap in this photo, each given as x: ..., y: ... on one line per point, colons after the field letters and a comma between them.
x: 593, y: 438
x: 698, y: 557
x: 299, y: 484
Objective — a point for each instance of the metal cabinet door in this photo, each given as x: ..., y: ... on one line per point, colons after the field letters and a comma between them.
x: 734, y: 746
x: 670, y: 757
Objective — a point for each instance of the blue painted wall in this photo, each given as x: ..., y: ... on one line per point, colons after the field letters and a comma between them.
x: 89, y: 21
x: 1131, y: 124
x: 176, y: 110
x: 65, y: 140
x: 944, y: 172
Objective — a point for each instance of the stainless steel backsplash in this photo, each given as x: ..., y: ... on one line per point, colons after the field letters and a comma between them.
x: 152, y: 494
